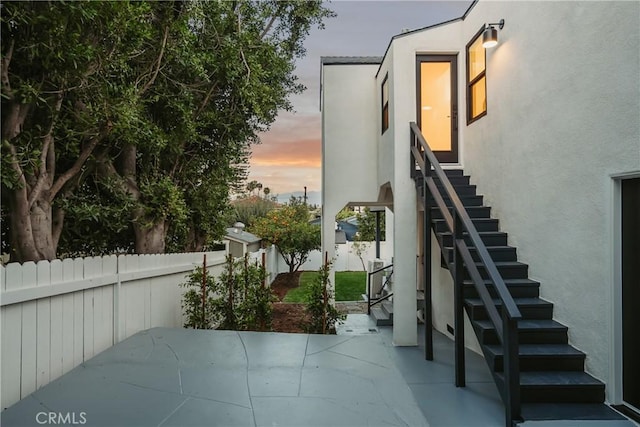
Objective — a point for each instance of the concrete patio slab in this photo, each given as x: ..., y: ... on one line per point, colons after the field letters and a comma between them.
x: 184, y: 377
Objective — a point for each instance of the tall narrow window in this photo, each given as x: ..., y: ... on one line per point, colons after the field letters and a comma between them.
x: 476, y: 79
x: 385, y: 104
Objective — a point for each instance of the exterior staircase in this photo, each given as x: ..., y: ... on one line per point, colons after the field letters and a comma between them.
x: 382, y: 314
x: 553, y: 382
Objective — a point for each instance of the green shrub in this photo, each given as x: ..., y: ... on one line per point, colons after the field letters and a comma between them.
x: 236, y: 300
x: 323, y: 316
x: 197, y: 315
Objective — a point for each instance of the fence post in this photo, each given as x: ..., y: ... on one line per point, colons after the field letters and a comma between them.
x: 324, y: 295
x: 204, y: 288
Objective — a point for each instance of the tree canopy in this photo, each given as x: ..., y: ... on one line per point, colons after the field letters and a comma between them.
x: 125, y: 124
x: 288, y: 228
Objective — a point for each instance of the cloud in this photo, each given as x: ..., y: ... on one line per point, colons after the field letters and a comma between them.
x: 289, y: 156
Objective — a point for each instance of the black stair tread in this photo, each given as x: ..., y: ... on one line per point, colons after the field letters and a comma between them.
x: 453, y: 172
x: 381, y: 318
x: 462, y: 196
x: 474, y: 220
x: 505, y: 264
x: 473, y: 211
x: 557, y: 379
x: 473, y: 248
x: 502, y: 249
x: 568, y: 411
x: 526, y: 324
x: 481, y: 233
x: 508, y: 282
x: 520, y: 302
x: 542, y: 350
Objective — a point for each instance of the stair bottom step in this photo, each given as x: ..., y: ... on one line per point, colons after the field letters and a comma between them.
x: 381, y: 318
x: 568, y: 411
x: 558, y: 387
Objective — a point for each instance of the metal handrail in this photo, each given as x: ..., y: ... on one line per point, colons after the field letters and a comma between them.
x: 458, y: 223
x: 379, y: 300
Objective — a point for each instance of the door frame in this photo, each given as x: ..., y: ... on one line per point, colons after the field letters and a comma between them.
x: 616, y: 372
x: 442, y: 156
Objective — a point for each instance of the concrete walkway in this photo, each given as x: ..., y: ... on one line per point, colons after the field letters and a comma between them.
x: 184, y: 377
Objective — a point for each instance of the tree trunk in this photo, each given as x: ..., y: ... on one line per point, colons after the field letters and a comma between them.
x: 32, y: 230
x: 150, y: 239
x: 195, y: 241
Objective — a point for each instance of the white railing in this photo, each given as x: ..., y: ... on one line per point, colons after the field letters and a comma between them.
x: 57, y: 314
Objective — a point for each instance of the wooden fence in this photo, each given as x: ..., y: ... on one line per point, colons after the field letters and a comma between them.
x: 56, y: 315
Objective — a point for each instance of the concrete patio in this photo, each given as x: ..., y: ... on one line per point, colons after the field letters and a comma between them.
x: 183, y: 377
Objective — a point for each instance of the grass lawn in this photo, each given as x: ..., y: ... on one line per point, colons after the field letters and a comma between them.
x: 350, y: 285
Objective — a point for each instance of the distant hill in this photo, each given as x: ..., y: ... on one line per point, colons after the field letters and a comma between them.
x: 313, y: 197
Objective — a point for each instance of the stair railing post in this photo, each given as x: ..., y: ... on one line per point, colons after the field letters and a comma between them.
x: 511, y: 369
x: 369, y: 293
x: 426, y: 241
x: 458, y: 304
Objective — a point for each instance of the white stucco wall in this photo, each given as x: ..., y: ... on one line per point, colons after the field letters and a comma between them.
x: 563, y: 116
x: 349, y: 153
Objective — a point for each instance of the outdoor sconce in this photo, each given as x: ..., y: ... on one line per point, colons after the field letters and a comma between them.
x: 490, y: 34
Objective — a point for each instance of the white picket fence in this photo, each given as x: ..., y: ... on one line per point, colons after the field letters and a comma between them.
x: 346, y: 258
x: 57, y: 314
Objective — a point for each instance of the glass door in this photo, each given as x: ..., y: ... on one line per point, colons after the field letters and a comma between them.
x: 437, y: 104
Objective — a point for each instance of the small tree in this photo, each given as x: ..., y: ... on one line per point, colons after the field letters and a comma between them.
x: 323, y: 316
x: 288, y: 228
x: 199, y: 315
x: 236, y: 300
x: 360, y: 248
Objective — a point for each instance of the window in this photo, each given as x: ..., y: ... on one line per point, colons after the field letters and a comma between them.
x: 385, y: 104
x: 476, y: 79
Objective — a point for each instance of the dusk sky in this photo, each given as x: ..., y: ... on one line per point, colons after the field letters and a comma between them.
x: 289, y: 156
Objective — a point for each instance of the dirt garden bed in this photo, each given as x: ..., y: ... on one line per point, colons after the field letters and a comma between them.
x: 288, y: 317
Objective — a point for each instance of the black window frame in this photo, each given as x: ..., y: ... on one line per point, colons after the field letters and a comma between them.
x: 476, y: 80
x: 384, y: 117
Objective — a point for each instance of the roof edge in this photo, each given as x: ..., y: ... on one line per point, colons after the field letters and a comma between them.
x: 342, y: 60
x: 408, y: 33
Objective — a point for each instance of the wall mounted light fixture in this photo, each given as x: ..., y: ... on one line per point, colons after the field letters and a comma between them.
x: 490, y: 34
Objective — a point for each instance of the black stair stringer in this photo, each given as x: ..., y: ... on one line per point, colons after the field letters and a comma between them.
x: 553, y: 382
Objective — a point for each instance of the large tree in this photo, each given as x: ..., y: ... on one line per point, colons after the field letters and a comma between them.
x: 138, y: 113
x: 56, y: 106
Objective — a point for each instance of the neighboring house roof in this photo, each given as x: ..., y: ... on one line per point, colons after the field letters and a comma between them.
x: 352, y: 220
x: 241, y: 236
x: 349, y: 229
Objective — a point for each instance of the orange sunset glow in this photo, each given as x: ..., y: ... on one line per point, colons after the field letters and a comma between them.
x: 289, y: 157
